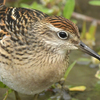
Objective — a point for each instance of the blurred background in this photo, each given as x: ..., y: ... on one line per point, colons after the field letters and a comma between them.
x: 83, y: 81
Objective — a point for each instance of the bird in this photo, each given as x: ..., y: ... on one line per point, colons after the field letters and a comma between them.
x: 35, y: 48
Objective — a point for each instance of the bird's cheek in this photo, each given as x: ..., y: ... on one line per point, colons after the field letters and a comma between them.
x: 71, y: 47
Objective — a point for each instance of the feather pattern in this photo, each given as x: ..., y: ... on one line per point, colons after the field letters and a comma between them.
x: 18, y: 21
x: 63, y: 23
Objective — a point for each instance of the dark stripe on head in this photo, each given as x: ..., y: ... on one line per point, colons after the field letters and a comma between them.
x: 63, y: 23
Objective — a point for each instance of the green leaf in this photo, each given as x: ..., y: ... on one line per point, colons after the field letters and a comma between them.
x: 92, y: 30
x: 37, y: 6
x: 69, y: 8
x: 83, y: 30
x: 74, y: 21
x: 2, y: 85
x: 95, y: 3
x: 78, y: 88
x: 49, y: 99
x: 25, y: 5
x: 7, y: 93
x: 69, y: 69
x: 10, y: 91
x: 97, y: 75
x: 84, y: 59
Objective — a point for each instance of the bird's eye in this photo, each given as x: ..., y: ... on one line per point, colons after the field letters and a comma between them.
x: 62, y: 35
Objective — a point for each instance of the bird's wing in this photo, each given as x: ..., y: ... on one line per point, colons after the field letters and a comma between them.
x: 17, y: 22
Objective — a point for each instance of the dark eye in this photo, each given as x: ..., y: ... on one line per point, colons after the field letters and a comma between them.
x: 62, y: 35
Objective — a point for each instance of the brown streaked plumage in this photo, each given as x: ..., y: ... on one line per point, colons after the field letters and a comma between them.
x: 64, y: 24
x: 34, y: 48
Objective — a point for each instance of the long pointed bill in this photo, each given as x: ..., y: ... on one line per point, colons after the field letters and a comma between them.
x: 88, y: 50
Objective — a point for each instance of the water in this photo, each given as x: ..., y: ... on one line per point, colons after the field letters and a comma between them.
x: 84, y: 75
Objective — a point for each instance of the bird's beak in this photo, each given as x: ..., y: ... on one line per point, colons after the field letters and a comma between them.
x: 88, y: 50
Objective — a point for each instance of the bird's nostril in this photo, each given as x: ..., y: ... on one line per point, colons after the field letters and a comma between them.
x: 81, y: 45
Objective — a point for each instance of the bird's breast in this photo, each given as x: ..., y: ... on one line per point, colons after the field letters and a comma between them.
x: 35, y: 73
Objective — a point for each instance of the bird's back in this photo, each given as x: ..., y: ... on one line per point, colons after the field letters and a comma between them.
x: 18, y: 21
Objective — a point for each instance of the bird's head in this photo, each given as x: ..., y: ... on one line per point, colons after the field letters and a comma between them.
x: 62, y: 35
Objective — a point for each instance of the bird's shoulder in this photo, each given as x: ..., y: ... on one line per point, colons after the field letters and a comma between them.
x: 18, y: 21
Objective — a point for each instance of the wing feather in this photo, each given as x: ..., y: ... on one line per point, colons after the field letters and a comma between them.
x: 18, y: 21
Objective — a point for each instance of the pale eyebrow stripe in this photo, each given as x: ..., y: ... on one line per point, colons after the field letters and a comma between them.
x: 53, y: 28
